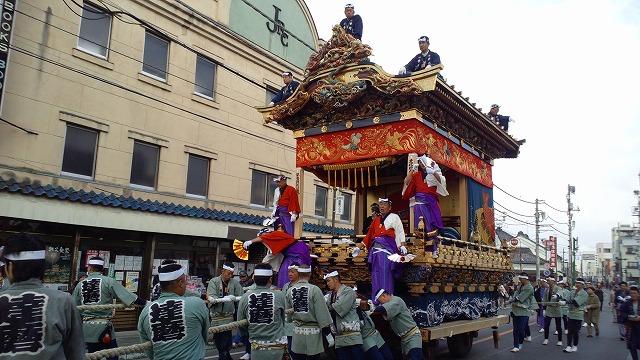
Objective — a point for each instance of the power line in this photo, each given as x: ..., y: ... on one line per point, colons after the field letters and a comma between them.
x: 543, y: 202
x: 557, y: 222
x: 498, y: 187
x: 81, y: 72
x: 565, y: 234
x: 502, y: 206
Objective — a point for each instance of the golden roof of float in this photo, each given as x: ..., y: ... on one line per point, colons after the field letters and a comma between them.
x: 341, y: 85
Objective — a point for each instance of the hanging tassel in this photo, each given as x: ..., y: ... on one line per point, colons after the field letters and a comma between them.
x: 375, y: 169
x: 362, y: 177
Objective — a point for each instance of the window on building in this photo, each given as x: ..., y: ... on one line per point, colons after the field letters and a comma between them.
x: 271, y: 93
x: 95, y: 29
x: 607, y: 250
x: 632, y: 265
x: 80, y: 147
x: 198, y: 176
x: 262, y: 188
x: 321, y: 201
x: 346, y: 212
x: 205, y: 77
x: 144, y: 165
x: 156, y: 54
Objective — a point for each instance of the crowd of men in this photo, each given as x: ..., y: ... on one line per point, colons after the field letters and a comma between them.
x: 571, y: 308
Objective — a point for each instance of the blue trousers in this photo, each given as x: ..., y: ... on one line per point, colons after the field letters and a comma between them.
x: 350, y: 352
x: 416, y: 354
x: 519, y: 326
x: 381, y: 353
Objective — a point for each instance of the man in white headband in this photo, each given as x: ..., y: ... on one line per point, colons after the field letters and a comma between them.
x: 352, y: 23
x: 310, y: 316
x: 426, y: 183
x: 222, y: 313
x: 97, y: 289
x: 553, y: 310
x: 294, y: 277
x: 177, y: 325
x: 576, y: 305
x: 287, y: 90
x: 284, y: 250
x: 345, y: 318
x: 286, y: 205
x: 264, y: 308
x: 394, y: 309
x: 37, y: 322
x: 520, y: 305
x: 385, y: 237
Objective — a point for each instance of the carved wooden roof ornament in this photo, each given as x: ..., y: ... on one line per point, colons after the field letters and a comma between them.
x: 342, y: 89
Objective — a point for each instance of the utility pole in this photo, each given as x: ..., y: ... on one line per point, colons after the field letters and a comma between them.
x: 537, y: 242
x: 573, y: 243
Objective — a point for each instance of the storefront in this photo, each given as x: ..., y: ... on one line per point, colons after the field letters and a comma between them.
x: 131, y: 257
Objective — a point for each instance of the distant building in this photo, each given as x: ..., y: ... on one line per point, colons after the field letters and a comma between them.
x: 625, y: 241
x: 604, y: 262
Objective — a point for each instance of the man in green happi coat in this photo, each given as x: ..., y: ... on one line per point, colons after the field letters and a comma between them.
x: 223, y: 286
x: 521, y: 303
x: 263, y: 307
x: 177, y: 325
x: 553, y: 310
x: 341, y: 302
x: 575, y: 301
x: 311, y: 318
x: 36, y: 322
x: 394, y: 309
x: 98, y: 289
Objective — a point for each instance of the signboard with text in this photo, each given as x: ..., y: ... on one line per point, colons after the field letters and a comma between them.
x: 553, y: 251
x: 8, y: 8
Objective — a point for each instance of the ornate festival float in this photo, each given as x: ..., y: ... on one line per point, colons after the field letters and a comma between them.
x: 360, y: 128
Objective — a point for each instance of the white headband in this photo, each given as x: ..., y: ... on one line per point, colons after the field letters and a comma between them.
x: 523, y: 277
x: 96, y: 262
x: 579, y: 282
x: 304, y: 270
x: 384, y: 200
x: 228, y: 268
x: 26, y: 255
x: 331, y: 274
x: 263, y: 272
x: 293, y: 267
x: 379, y: 294
x: 171, y: 275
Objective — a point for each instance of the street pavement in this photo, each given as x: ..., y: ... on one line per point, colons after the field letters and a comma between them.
x: 607, y: 346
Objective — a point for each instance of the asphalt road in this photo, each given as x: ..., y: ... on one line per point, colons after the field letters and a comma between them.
x: 607, y: 346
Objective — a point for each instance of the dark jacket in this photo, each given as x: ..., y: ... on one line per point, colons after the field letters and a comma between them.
x: 285, y: 92
x: 353, y: 26
x: 420, y: 62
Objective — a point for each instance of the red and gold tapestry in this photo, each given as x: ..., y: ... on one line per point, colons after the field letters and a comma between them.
x: 403, y: 137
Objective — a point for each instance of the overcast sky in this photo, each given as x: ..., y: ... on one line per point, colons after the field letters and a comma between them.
x: 566, y: 71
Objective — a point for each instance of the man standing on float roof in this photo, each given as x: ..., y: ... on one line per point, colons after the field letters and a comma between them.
x: 385, y: 237
x: 98, y: 289
x: 352, y: 24
x: 285, y: 205
x: 176, y: 325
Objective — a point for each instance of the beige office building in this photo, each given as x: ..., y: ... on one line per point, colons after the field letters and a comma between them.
x: 129, y: 129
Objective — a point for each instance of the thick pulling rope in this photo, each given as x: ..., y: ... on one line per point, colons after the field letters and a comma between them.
x: 138, y: 348
x: 123, y: 306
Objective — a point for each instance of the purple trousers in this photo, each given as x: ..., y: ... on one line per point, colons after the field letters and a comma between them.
x: 297, y: 252
x: 284, y: 218
x: 427, y: 206
x: 384, y: 272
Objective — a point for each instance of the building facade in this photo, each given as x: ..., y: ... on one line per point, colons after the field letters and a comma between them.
x: 129, y: 130
x: 625, y: 241
x: 604, y: 261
